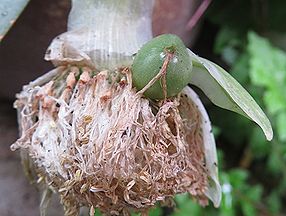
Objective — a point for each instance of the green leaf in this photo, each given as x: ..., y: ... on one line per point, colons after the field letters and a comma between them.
x: 224, y: 91
x: 248, y: 209
x: 97, y: 212
x: 281, y: 126
x: 9, y: 12
x: 259, y: 146
x: 186, y: 206
x: 274, y: 203
x: 268, y: 70
x: 237, y: 177
x: 240, y: 69
x: 254, y: 194
x: 274, y: 101
x: 155, y: 211
x: 274, y: 162
x: 267, y: 63
x: 226, y: 37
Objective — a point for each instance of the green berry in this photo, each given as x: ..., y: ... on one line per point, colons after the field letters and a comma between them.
x: 149, y: 61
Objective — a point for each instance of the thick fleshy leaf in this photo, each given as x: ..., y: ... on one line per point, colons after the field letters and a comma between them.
x: 224, y: 91
x: 9, y: 12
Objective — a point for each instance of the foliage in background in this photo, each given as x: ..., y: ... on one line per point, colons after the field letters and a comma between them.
x: 9, y: 12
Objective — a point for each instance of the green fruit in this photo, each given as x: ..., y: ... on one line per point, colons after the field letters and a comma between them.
x: 149, y: 60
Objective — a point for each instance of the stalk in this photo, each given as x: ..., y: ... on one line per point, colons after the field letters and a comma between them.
x: 103, y: 33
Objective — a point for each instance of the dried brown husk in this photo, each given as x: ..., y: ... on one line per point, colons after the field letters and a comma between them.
x: 95, y: 141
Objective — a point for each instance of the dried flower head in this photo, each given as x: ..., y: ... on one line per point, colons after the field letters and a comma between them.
x: 98, y: 143
x: 87, y: 135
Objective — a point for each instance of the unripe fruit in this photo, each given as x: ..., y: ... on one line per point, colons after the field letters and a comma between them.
x: 149, y: 61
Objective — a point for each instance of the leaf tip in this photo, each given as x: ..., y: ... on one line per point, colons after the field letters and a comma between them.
x: 269, y: 133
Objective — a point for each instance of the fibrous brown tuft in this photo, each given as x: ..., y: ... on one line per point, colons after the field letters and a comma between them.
x: 98, y: 143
